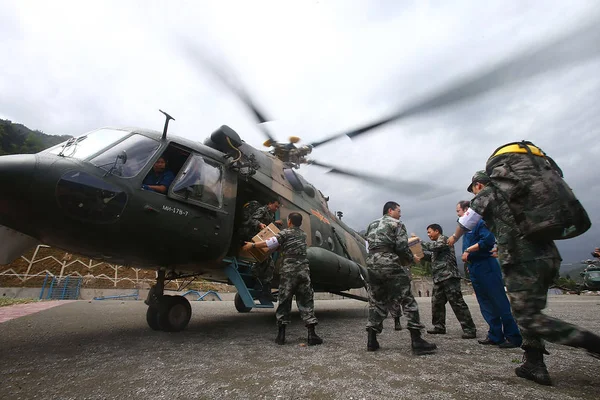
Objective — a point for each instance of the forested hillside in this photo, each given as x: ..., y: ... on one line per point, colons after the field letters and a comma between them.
x: 18, y: 139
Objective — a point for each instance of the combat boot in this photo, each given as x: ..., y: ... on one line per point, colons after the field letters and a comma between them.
x: 281, y: 335
x: 397, y: 324
x: 419, y: 345
x: 372, y: 343
x: 533, y: 367
x: 313, y: 338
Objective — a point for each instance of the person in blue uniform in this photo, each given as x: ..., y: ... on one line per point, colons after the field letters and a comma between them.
x: 159, y: 178
x: 486, y: 278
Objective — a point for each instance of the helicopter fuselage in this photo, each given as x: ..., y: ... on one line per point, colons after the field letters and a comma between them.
x: 90, y: 201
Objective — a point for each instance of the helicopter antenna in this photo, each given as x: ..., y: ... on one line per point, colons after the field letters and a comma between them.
x: 167, y: 118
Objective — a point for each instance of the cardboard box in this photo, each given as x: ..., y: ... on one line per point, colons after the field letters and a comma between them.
x: 261, y: 255
x: 414, y: 244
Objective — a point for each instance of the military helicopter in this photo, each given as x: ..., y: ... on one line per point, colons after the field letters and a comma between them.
x: 86, y: 195
x: 591, y: 275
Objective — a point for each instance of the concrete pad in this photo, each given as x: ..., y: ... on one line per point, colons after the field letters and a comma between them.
x: 104, y: 350
x: 21, y: 310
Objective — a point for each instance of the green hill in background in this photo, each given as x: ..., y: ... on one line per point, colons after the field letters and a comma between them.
x: 572, y: 271
x: 18, y: 139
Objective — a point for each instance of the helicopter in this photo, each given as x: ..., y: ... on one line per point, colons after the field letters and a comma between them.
x: 86, y: 196
x: 591, y: 275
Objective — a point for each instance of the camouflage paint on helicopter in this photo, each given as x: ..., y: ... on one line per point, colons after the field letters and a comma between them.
x: 591, y: 276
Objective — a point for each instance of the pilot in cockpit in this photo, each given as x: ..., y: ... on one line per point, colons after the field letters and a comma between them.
x: 159, y: 178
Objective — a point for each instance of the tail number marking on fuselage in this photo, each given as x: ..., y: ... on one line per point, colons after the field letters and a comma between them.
x: 175, y: 210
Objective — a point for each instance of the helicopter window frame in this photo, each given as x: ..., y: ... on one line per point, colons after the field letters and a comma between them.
x: 70, y: 153
x: 331, y: 243
x: 174, y: 192
x: 318, y: 238
x: 133, y: 172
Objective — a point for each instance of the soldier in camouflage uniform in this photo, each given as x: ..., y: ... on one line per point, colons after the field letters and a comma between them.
x: 294, y: 278
x: 446, y: 284
x: 396, y: 312
x: 388, y: 282
x: 529, y: 269
x: 258, y: 220
x: 246, y: 231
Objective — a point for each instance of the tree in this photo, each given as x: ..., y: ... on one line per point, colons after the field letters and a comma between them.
x: 17, y: 138
x: 2, y: 152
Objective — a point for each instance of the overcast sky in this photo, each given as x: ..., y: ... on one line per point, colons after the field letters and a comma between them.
x: 316, y: 68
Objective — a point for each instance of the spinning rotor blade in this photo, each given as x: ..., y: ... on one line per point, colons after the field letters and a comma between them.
x: 578, y: 46
x: 232, y: 84
x: 413, y: 187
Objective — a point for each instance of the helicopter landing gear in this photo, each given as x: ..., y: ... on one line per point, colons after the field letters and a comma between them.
x: 166, y: 313
x: 152, y: 318
x: 239, y: 304
x: 174, y: 313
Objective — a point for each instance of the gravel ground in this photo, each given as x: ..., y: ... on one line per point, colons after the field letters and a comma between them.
x: 104, y: 350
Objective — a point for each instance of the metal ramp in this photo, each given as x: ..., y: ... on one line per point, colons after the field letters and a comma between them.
x: 239, y: 273
x: 65, y: 288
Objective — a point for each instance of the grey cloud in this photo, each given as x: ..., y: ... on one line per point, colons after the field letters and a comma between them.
x: 317, y: 68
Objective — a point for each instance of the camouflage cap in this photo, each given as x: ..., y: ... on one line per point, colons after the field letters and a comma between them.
x: 481, y: 177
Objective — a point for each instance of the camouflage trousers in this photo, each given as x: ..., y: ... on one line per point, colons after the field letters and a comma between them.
x: 395, y: 308
x: 294, y: 279
x: 527, y: 284
x: 448, y: 291
x: 389, y: 286
x: 264, y: 272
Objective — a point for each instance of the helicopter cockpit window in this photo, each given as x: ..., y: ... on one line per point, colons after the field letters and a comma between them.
x: 87, y: 145
x: 127, y: 158
x: 200, y: 181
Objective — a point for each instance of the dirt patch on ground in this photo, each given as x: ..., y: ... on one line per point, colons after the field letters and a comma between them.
x: 4, y: 302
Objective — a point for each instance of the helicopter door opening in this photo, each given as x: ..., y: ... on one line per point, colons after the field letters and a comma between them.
x: 249, y: 197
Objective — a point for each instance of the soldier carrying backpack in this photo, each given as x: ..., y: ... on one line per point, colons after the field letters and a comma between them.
x: 527, y: 205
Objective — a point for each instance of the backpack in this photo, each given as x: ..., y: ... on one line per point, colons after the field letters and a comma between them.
x: 249, y: 209
x: 543, y: 205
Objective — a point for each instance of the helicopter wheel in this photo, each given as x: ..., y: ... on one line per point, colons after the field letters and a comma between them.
x: 152, y: 318
x: 174, y: 313
x: 239, y: 304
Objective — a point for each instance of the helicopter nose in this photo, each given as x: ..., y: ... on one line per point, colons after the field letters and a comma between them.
x: 16, y: 175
